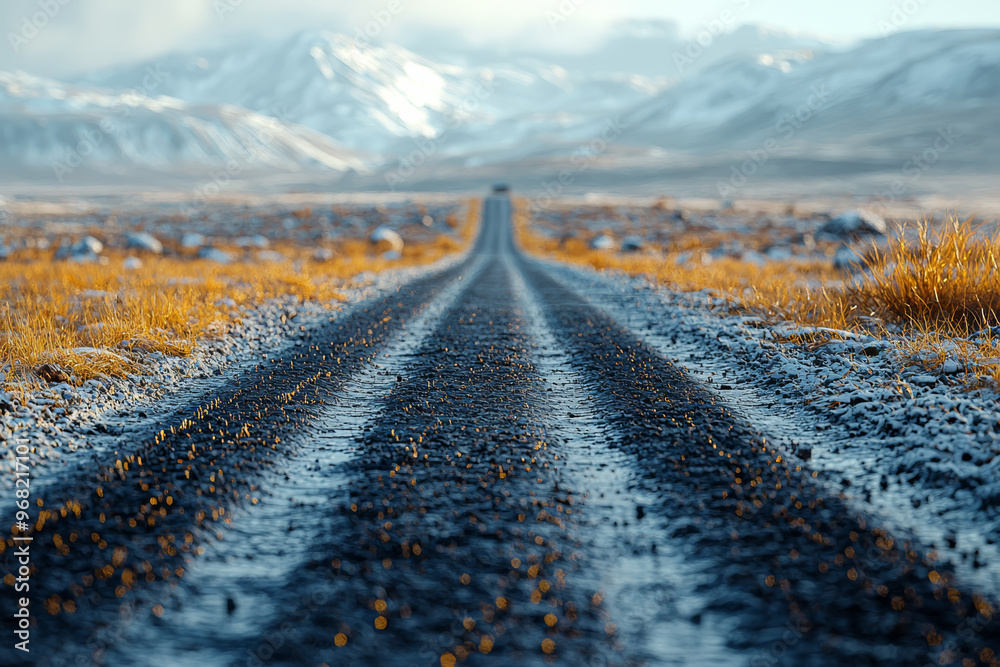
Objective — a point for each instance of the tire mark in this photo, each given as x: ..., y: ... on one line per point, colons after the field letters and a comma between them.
x: 785, y: 556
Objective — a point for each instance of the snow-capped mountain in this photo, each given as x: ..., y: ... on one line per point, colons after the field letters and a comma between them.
x: 47, y: 125
x: 381, y: 98
x: 653, y: 49
x: 319, y: 100
x: 873, y: 84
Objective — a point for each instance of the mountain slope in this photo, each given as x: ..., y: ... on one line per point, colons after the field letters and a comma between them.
x: 381, y: 98
x: 48, y: 125
x: 837, y: 94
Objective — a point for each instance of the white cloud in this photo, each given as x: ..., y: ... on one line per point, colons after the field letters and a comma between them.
x: 85, y: 34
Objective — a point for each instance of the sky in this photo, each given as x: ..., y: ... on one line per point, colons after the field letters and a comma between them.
x: 65, y: 37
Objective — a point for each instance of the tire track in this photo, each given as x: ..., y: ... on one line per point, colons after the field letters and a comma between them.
x: 531, y: 485
x: 809, y: 580
x: 650, y: 582
x: 459, y: 542
x: 115, y: 539
x: 267, y: 544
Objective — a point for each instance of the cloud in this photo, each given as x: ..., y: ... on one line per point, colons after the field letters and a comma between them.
x: 75, y: 35
x: 82, y: 35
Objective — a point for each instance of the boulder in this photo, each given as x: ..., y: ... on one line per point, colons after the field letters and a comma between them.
x: 51, y: 373
x: 390, y: 236
x: 270, y: 256
x: 215, y: 255
x: 192, y: 240
x: 855, y: 224
x: 132, y: 264
x: 87, y: 249
x: 602, y: 242
x: 144, y: 242
x: 255, y: 241
x: 323, y: 254
x: 779, y: 253
x: 633, y: 244
x: 848, y: 259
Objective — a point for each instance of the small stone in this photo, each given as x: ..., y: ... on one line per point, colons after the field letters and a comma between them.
x: 51, y: 373
x: 602, y: 242
x: 145, y: 242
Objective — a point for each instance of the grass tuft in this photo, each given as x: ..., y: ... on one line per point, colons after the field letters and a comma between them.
x: 94, y: 320
x: 928, y: 289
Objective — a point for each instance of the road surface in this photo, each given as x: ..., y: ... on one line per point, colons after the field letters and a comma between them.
x: 481, y: 468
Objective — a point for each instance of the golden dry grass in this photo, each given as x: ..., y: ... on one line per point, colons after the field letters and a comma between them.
x: 947, y: 280
x: 791, y: 290
x: 935, y: 285
x: 51, y: 309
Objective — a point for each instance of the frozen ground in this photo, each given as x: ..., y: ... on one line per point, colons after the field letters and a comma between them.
x: 530, y: 458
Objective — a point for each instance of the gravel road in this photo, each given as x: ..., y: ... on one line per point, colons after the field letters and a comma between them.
x: 481, y: 468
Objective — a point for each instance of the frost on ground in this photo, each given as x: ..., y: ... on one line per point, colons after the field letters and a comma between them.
x: 918, y: 450
x: 62, y: 415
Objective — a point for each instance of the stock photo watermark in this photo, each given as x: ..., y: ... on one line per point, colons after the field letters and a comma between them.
x: 22, y: 545
x: 222, y: 178
x: 711, y: 30
x: 915, y: 168
x: 426, y: 147
x: 380, y: 20
x: 33, y: 24
x: 581, y: 161
x: 562, y: 12
x: 900, y: 16
x: 783, y: 131
x: 92, y: 138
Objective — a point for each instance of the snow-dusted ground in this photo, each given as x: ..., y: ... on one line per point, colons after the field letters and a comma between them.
x: 56, y: 420
x: 918, y: 451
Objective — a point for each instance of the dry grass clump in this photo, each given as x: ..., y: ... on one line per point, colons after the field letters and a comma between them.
x: 935, y: 286
x: 789, y: 290
x: 947, y: 280
x: 89, y: 320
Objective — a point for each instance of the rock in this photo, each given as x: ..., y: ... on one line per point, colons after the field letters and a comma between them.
x: 632, y: 244
x: 924, y: 380
x: 602, y: 242
x: 97, y: 352
x: 270, y: 256
x: 144, y: 242
x: 215, y: 255
x: 987, y: 335
x: 427, y: 221
x: 87, y: 249
x: 779, y: 253
x: 192, y: 240
x: 951, y: 367
x: 255, y: 241
x: 132, y: 264
x: 51, y: 373
x: 323, y: 254
x: 848, y: 259
x: 88, y: 244
x: 386, y: 235
x: 856, y: 223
